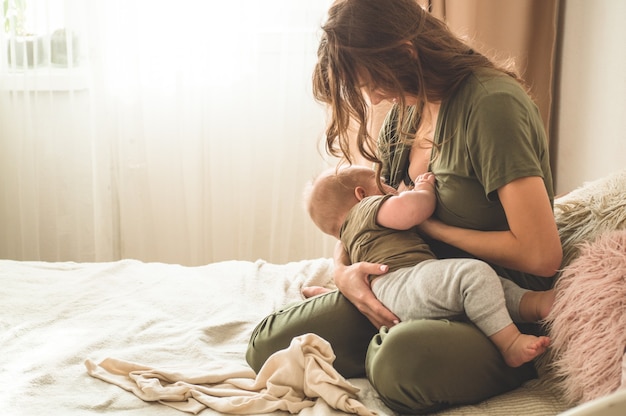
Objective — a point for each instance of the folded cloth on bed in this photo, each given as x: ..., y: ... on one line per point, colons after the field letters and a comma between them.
x: 290, y: 380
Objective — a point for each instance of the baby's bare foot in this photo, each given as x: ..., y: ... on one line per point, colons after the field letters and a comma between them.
x: 524, y: 349
x: 310, y: 291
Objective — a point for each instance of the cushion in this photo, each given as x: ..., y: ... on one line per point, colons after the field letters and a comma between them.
x: 587, y: 323
x: 589, y: 211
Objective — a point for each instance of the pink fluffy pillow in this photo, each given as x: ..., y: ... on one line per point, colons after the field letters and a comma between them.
x: 588, y: 321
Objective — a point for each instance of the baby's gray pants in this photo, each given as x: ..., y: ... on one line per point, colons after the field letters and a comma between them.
x: 451, y: 289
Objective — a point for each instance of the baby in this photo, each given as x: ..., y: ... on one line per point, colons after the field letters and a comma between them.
x: 378, y: 226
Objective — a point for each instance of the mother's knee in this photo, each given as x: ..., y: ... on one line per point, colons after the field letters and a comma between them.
x: 399, y: 371
x: 423, y: 366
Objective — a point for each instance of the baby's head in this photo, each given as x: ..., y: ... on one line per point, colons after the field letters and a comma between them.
x: 330, y: 196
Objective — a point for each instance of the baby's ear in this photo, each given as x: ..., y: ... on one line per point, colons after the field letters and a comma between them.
x: 360, y: 192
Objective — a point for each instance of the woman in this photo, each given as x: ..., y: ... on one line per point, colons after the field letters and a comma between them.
x: 472, y: 124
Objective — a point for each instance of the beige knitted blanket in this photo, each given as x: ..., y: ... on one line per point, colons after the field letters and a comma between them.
x: 290, y: 380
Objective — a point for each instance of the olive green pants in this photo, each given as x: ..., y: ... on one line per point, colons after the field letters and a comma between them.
x: 417, y: 367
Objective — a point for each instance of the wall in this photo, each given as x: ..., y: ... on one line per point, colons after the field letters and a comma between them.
x: 591, y: 123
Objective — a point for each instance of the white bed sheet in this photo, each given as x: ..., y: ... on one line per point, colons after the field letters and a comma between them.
x: 54, y: 316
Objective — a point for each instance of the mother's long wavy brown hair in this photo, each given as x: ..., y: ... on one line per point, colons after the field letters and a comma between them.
x: 399, y: 48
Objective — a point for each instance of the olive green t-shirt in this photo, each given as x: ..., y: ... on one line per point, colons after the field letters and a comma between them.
x: 365, y: 240
x: 488, y: 133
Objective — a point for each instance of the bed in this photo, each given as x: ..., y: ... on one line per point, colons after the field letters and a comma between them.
x: 74, y: 337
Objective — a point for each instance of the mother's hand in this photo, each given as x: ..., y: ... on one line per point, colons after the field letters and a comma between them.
x: 353, y: 282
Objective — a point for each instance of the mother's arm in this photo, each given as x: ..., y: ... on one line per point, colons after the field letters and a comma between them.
x: 532, y: 244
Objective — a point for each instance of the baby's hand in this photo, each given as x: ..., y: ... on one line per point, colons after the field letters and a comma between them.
x: 425, y: 180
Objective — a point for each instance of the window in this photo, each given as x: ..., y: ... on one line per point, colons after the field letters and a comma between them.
x: 40, y: 47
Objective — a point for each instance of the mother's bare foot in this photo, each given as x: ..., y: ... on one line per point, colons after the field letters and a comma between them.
x: 536, y: 306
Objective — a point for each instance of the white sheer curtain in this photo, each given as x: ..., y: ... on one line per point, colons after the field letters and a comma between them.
x: 184, y: 133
